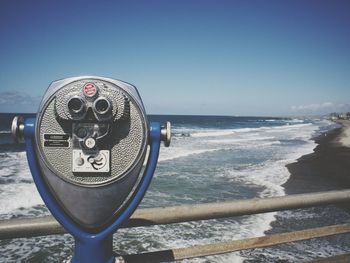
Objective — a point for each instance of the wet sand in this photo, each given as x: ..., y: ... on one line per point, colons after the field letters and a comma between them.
x: 328, y: 168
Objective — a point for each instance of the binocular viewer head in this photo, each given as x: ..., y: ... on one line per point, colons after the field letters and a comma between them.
x: 91, y: 139
x: 86, y: 126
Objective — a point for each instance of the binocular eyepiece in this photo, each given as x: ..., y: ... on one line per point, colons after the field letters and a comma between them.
x: 91, y: 98
x: 77, y: 105
x: 101, y: 106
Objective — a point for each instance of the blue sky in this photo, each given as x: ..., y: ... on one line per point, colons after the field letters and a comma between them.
x: 185, y: 57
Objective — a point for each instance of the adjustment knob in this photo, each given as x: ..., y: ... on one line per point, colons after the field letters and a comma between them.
x: 17, y: 128
x: 165, y: 134
x: 90, y: 143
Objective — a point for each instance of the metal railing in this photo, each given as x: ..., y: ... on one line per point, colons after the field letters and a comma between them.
x: 16, y: 228
x: 236, y: 245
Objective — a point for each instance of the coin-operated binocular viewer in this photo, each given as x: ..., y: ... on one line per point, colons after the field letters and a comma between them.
x: 86, y: 150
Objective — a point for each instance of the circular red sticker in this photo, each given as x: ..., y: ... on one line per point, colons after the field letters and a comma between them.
x: 90, y: 90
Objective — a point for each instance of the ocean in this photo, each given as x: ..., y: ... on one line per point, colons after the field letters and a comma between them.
x: 211, y: 159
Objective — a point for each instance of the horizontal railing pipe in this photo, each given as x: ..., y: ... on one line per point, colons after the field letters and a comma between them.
x: 235, y: 245
x: 16, y: 228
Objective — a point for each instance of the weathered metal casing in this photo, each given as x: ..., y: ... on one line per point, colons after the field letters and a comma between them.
x: 92, y: 199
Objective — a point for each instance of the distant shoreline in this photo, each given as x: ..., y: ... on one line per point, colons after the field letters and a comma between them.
x: 328, y: 168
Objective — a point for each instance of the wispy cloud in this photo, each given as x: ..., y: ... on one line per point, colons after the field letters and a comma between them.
x: 14, y: 101
x: 321, y: 108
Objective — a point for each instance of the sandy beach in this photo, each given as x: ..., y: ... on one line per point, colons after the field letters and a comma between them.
x: 328, y: 168
x: 344, y: 138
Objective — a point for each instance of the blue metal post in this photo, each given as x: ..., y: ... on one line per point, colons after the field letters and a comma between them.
x: 91, y: 248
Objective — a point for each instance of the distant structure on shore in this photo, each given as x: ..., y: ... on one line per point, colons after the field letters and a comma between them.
x: 340, y: 116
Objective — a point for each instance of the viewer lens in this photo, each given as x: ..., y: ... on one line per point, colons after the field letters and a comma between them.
x: 102, y: 105
x: 75, y: 105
